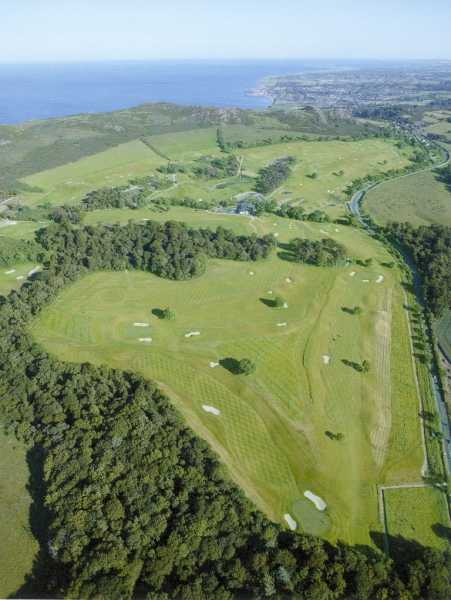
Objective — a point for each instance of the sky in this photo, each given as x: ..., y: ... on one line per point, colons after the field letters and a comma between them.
x: 89, y: 30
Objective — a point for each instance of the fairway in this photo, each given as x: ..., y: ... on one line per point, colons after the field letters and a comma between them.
x: 419, y: 199
x: 271, y: 428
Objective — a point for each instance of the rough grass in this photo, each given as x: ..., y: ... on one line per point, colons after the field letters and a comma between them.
x: 271, y: 431
x: 419, y: 199
x: 417, y: 514
x: 18, y: 547
x: 443, y: 330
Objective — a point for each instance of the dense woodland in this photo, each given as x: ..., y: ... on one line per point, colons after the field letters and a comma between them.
x: 323, y: 253
x: 134, y: 504
x: 430, y: 248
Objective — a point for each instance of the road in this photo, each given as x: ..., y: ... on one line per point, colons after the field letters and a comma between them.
x: 354, y: 207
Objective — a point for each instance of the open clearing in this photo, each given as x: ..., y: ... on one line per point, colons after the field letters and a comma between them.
x: 9, y: 276
x: 18, y: 547
x: 419, y: 199
x: 271, y: 427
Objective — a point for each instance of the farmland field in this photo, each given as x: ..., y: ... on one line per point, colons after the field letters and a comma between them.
x: 419, y: 199
x: 271, y: 430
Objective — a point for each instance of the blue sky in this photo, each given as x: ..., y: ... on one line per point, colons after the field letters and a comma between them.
x: 43, y: 30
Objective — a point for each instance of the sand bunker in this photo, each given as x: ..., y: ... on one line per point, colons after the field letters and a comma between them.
x: 326, y: 359
x: 380, y: 279
x: 211, y: 409
x: 10, y: 272
x: 213, y: 364
x: 281, y: 324
x: 20, y: 277
x: 269, y: 291
x: 365, y: 280
x: 191, y: 333
x: 290, y: 522
x: 145, y: 340
x: 141, y: 325
x: 276, y: 235
x: 251, y: 273
x: 337, y: 230
x: 325, y: 232
x: 288, y: 280
x: 285, y: 304
x: 352, y: 274
x: 33, y: 271
x: 317, y: 501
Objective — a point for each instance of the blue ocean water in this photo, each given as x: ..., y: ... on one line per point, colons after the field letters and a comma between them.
x: 40, y: 91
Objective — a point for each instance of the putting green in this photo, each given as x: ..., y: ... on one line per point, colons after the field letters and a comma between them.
x: 271, y: 428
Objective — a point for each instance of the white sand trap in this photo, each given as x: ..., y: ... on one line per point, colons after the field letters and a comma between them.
x: 325, y: 232
x: 276, y: 235
x: 288, y: 280
x: 213, y: 364
x: 211, y: 409
x: 285, y: 304
x: 192, y: 333
x: 365, y: 280
x: 337, y: 230
x: 251, y: 273
x: 317, y: 501
x: 269, y: 291
x: 141, y: 325
x: 380, y: 279
x: 10, y: 272
x: 33, y: 271
x: 7, y: 223
x: 145, y: 340
x: 290, y: 522
x: 326, y: 359
x: 281, y: 324
x: 20, y: 277
x: 352, y: 274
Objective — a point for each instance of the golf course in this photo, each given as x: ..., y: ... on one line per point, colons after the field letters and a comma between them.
x: 272, y: 429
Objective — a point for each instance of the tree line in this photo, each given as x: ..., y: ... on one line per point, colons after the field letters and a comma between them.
x: 273, y: 175
x: 430, y: 248
x: 136, y: 505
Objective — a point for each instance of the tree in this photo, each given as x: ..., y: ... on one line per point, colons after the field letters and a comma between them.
x: 246, y: 366
x: 279, y: 302
x: 365, y: 366
x: 168, y: 314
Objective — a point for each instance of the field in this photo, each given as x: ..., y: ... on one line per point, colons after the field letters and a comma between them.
x: 18, y: 546
x: 443, y: 330
x: 408, y: 514
x: 9, y: 281
x: 348, y: 160
x: 419, y: 199
x: 271, y: 430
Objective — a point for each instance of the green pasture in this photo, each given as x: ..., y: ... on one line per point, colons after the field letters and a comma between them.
x: 271, y: 431
x: 443, y: 331
x: 419, y: 199
x: 19, y: 546
x: 417, y: 514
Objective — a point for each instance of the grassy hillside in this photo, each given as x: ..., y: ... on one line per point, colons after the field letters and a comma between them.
x: 271, y: 431
x: 419, y: 199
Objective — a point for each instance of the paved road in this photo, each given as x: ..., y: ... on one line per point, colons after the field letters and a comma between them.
x: 354, y: 207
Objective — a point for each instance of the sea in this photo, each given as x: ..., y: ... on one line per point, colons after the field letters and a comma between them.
x: 40, y: 91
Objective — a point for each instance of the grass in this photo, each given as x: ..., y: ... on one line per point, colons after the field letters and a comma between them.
x: 69, y: 183
x: 419, y: 199
x: 271, y: 431
x: 18, y: 547
x: 443, y: 331
x: 9, y: 281
x: 23, y: 230
x: 412, y: 513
